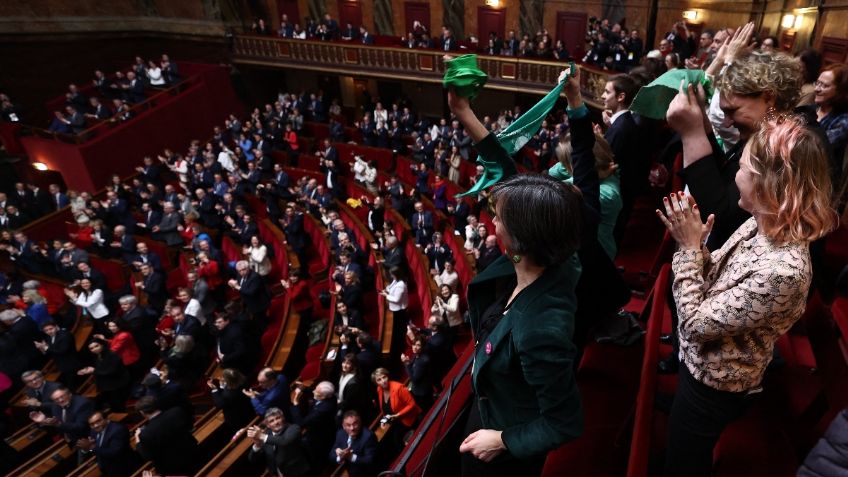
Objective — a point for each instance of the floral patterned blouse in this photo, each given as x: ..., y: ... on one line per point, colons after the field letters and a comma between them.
x: 735, y: 302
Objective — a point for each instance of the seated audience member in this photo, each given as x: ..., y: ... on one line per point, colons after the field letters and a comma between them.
x: 38, y: 391
x: 109, y: 441
x: 279, y: 446
x: 166, y: 438
x: 273, y: 391
x: 228, y: 396
x: 317, y: 419
x: 61, y: 347
x: 355, y: 446
x: 68, y: 415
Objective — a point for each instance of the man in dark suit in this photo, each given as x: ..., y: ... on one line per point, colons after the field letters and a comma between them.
x: 393, y: 255
x: 448, y: 41
x: 141, y: 326
x: 234, y: 348
x: 153, y: 284
x: 38, y: 390
x: 422, y: 224
x: 367, y: 38
x: 252, y: 289
x: 99, y: 110
x: 118, y: 212
x: 279, y: 446
x: 68, y: 415
x: 624, y: 137
x: 95, y: 276
x: 206, y: 208
x: 317, y: 419
x: 355, y: 446
x: 60, y: 346
x: 24, y: 333
x: 58, y: 199
x: 185, y: 324
x: 110, y: 443
x: 168, y: 228
x: 133, y: 89
x: 488, y: 253
x: 123, y: 244
x: 166, y: 439
x: 145, y: 256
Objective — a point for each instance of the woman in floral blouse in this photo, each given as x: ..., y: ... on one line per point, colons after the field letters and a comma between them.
x: 734, y: 303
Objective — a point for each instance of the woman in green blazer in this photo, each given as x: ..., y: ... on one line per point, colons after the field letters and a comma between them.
x: 522, y: 314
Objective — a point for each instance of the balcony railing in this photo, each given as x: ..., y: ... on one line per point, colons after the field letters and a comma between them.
x: 505, y: 72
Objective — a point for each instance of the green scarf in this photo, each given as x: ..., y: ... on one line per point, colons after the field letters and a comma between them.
x: 514, y: 137
x: 652, y: 100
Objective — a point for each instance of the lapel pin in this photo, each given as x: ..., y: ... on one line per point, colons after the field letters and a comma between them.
x: 488, y: 347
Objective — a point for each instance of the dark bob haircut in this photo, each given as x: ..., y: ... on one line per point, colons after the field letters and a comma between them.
x: 542, y: 217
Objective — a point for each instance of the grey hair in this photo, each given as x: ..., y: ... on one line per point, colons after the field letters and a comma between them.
x: 128, y: 300
x: 31, y: 285
x: 274, y: 411
x: 12, y: 314
x: 31, y: 372
x: 325, y: 388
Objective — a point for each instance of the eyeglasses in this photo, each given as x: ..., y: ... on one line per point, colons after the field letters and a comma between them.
x: 821, y: 84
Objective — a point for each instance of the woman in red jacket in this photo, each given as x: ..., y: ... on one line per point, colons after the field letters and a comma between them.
x: 398, y: 411
x: 123, y: 344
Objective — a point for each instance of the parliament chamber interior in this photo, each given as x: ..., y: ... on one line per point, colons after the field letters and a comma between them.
x: 407, y: 238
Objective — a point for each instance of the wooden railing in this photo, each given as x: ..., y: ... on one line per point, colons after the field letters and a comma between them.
x: 505, y: 72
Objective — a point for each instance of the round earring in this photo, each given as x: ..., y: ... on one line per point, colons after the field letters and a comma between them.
x: 516, y: 258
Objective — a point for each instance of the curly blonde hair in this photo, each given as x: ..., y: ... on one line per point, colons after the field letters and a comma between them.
x: 791, y: 181
x: 758, y: 72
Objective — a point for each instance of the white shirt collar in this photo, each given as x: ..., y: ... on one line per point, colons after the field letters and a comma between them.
x: 617, y: 115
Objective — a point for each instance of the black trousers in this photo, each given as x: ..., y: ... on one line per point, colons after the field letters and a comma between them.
x: 504, y: 465
x: 698, y: 416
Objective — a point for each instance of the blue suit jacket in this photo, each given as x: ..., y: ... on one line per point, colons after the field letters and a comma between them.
x: 364, y: 447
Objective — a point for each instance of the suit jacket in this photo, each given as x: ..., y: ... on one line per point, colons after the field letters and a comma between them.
x: 627, y: 143
x: 190, y: 327
x: 233, y: 345
x: 319, y: 424
x: 236, y: 407
x: 109, y: 372
x: 115, y: 457
x: 168, y: 229
x: 420, y: 371
x: 62, y: 349
x: 151, y: 258
x: 364, y: 447
x: 74, y: 426
x: 167, y: 441
x: 401, y: 402
x: 43, y: 396
x: 154, y: 287
x: 254, y: 293
x: 523, y: 375
x: 97, y: 278
x: 283, y: 452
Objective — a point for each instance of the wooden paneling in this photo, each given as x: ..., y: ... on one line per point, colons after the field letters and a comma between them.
x: 350, y: 11
x: 416, y: 11
x: 571, y: 29
x: 490, y: 20
x: 834, y: 50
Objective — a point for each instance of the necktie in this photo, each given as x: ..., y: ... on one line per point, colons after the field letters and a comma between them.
x: 349, y: 441
x: 64, y: 414
x: 38, y: 394
x: 100, y: 438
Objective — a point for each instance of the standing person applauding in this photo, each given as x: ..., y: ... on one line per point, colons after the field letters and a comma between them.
x: 735, y: 302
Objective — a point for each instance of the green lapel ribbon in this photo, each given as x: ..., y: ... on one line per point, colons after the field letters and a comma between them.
x: 652, y: 101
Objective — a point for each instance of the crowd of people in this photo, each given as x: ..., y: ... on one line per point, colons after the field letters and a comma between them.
x: 114, y: 95
x: 763, y: 170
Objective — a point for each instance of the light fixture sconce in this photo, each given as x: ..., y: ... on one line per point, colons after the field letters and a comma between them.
x: 788, y: 21
x: 39, y: 166
x: 799, y: 19
x: 493, y: 3
x: 690, y: 15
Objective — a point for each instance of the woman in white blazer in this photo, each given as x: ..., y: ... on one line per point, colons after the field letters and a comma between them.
x: 90, y: 300
x: 257, y: 256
